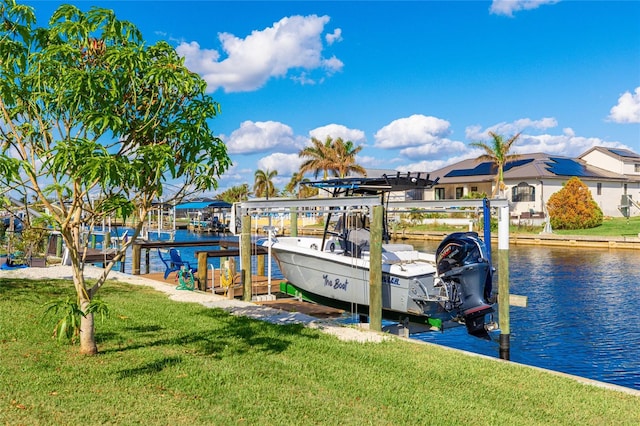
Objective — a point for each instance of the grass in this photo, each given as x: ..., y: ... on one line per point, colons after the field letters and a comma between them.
x: 611, y: 227
x: 163, y: 362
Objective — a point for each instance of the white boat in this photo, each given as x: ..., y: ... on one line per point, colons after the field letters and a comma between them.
x: 454, y: 284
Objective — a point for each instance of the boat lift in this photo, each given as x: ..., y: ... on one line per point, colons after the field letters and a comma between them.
x: 241, y: 224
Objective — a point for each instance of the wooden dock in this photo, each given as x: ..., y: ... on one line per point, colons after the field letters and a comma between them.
x: 259, y: 287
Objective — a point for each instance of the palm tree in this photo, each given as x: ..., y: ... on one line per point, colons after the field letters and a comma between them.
x: 498, y: 153
x: 235, y: 194
x: 263, y: 185
x: 335, y: 156
x: 346, y: 158
x: 320, y: 157
x: 292, y: 186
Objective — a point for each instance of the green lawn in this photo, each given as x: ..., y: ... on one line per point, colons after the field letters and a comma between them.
x: 611, y: 227
x: 169, y: 363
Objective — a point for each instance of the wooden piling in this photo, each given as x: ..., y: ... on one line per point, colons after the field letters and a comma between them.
x: 135, y: 259
x: 260, y: 264
x: 202, y: 271
x: 375, y: 270
x: 503, y: 282
x: 293, y: 222
x: 245, y: 257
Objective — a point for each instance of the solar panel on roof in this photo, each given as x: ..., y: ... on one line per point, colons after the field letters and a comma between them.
x: 624, y: 153
x: 568, y: 167
x: 486, y: 168
x: 511, y: 164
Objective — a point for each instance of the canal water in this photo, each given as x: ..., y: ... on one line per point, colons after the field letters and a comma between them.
x: 583, y: 316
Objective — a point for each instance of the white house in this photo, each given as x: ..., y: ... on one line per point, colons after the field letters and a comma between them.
x: 612, y: 175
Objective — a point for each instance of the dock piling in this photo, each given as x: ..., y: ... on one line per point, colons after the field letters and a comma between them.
x: 245, y: 257
x: 375, y: 270
x: 503, y: 281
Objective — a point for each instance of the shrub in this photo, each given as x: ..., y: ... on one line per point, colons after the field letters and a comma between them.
x: 573, y: 207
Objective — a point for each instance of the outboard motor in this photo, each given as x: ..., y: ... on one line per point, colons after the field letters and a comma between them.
x: 463, y: 266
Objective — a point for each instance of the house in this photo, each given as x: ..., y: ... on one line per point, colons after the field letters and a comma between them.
x: 612, y: 175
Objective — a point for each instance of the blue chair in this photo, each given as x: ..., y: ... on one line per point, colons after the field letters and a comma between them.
x: 174, y: 262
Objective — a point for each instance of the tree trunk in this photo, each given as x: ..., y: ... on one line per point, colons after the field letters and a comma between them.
x: 87, y: 333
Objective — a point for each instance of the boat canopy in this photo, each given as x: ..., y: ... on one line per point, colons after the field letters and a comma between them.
x: 376, y: 185
x: 201, y: 205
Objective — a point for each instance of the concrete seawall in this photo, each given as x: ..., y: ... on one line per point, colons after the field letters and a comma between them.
x: 621, y: 242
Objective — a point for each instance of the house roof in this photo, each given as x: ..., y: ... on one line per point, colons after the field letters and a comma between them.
x: 526, y: 166
x: 621, y: 154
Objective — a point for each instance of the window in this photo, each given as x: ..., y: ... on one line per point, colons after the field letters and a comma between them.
x: 459, y: 192
x: 599, y: 188
x: 439, y: 193
x: 637, y: 168
x: 523, y: 192
x: 415, y: 194
x: 474, y: 189
x: 625, y: 189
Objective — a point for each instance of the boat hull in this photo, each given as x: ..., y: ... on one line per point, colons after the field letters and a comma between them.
x: 408, y: 277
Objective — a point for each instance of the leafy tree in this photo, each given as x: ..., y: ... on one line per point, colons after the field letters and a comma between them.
x: 307, y: 191
x: 292, y: 187
x: 416, y: 216
x: 297, y: 187
x: 573, y: 207
x: 235, y: 194
x: 94, y: 121
x: 335, y: 156
x: 346, y: 158
x: 263, y: 185
x: 320, y: 157
x: 498, y: 153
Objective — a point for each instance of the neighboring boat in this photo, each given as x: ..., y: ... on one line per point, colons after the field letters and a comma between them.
x: 454, y: 284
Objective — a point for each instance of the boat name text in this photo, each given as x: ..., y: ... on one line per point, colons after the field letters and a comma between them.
x: 386, y: 279
x: 336, y: 284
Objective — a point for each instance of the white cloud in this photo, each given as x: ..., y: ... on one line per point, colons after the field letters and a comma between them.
x: 336, y: 35
x: 567, y: 144
x: 507, y: 7
x: 431, y: 150
x: 293, y: 43
x: 412, y: 131
x: 628, y: 108
x: 476, y: 133
x: 370, y: 162
x: 285, y: 164
x: 260, y: 136
x: 336, y: 131
x: 332, y: 65
x: 429, y: 166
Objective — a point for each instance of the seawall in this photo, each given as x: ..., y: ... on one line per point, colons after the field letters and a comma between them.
x: 631, y: 242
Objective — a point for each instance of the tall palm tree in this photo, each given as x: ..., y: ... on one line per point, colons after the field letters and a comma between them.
x: 263, y: 185
x: 320, y: 157
x: 498, y: 153
x: 235, y: 194
x: 307, y: 191
x: 346, y: 158
x: 292, y: 186
x: 335, y: 156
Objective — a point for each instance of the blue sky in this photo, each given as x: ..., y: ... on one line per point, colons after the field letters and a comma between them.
x: 414, y: 82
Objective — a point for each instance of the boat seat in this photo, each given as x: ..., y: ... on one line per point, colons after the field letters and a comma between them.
x: 357, y: 241
x: 397, y: 247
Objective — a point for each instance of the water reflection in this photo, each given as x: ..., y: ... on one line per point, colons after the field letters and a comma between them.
x: 583, y: 314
